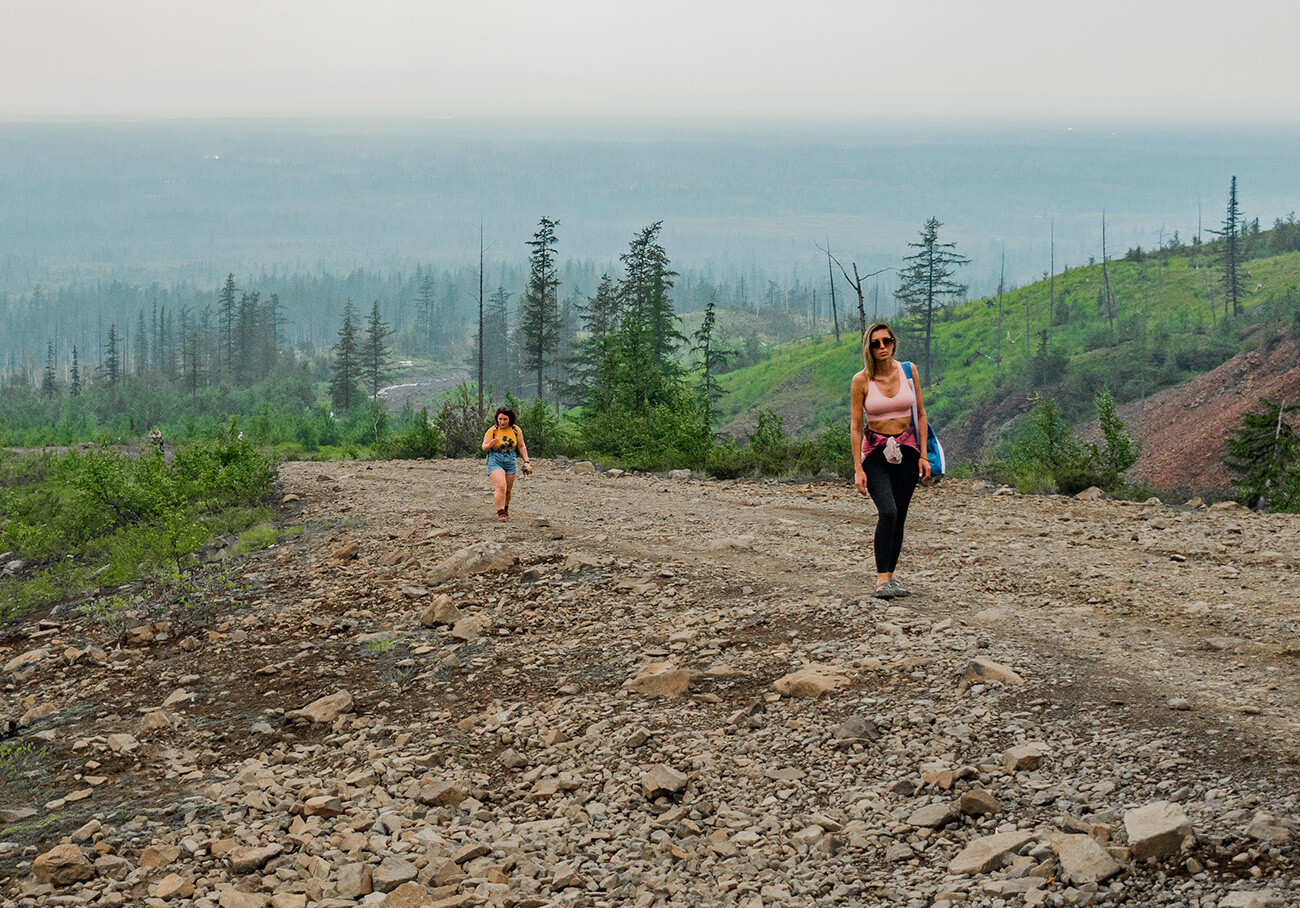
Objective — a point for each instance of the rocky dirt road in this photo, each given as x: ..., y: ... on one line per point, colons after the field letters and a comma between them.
x: 648, y: 691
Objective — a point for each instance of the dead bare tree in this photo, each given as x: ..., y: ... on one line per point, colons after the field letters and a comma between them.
x: 1108, y: 301
x: 835, y: 316
x: 856, y: 283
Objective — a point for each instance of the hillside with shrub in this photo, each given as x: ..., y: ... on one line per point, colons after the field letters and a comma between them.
x: 1134, y: 327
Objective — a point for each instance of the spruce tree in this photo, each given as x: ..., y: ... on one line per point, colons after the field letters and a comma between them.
x: 712, y: 357
x: 112, y: 358
x: 1264, y: 453
x: 75, y: 376
x: 226, y: 317
x: 49, y: 383
x: 1231, y: 233
x: 246, y: 338
x: 426, y: 318
x: 539, y: 312
x: 375, y: 352
x: 345, y: 368
x: 644, y: 294
x: 141, y: 345
x: 927, y: 280
x: 191, y: 352
x: 598, y: 320
x: 498, y: 368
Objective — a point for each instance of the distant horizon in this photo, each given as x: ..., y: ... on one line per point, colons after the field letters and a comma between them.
x: 568, y: 121
x: 717, y: 60
x: 96, y: 196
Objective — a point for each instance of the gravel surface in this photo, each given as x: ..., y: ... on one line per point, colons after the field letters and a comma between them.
x: 655, y: 691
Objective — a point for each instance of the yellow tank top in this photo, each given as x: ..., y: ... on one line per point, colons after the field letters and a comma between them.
x: 506, y: 439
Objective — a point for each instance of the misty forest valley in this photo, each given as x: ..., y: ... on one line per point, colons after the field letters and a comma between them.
x: 649, y: 296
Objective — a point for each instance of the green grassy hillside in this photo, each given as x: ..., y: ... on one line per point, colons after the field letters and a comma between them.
x: 1163, y: 332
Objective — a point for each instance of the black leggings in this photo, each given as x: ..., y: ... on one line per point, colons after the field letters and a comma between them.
x: 891, y: 486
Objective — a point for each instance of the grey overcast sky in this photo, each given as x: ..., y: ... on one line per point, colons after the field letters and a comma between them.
x: 1149, y: 59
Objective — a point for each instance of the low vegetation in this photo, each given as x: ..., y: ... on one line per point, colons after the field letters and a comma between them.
x: 80, y: 521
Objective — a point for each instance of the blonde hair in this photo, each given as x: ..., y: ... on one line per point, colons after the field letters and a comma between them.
x: 869, y: 361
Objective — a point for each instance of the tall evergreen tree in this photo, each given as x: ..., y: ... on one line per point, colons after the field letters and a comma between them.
x: 426, y: 318
x: 49, y: 382
x: 75, y: 376
x: 141, y: 345
x: 247, y: 330
x: 345, y: 368
x: 112, y: 364
x: 539, y: 312
x: 270, y: 336
x: 1231, y: 233
x: 155, y: 331
x: 711, y: 356
x: 598, y: 320
x: 191, y: 353
x: 927, y: 279
x: 481, y: 410
x: 498, y: 370
x: 644, y: 291
x: 170, y: 359
x: 375, y: 352
x: 226, y: 319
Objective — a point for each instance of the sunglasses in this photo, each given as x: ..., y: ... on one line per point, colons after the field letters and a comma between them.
x: 882, y: 342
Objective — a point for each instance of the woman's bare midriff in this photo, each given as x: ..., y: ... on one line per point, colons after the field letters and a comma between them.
x: 890, y: 426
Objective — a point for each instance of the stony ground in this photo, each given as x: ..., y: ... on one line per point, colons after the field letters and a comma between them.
x: 648, y: 691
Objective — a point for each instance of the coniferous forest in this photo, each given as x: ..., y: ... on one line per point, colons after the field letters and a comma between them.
x: 624, y: 351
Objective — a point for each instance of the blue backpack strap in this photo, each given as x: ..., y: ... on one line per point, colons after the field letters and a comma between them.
x: 907, y: 370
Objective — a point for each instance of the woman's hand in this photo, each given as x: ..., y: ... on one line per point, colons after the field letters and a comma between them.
x: 923, y: 466
x: 528, y: 468
x: 860, y: 482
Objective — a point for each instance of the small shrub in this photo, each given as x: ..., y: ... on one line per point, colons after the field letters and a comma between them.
x: 418, y: 439
x: 544, y: 433
x: 1264, y: 455
x: 461, y: 424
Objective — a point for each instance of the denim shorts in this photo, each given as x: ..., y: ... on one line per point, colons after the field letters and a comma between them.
x: 501, y: 460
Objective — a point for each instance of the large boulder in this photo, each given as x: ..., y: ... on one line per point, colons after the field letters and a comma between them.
x: 478, y: 559
x: 62, y: 865
x: 440, y: 612
x: 662, y: 679
x: 1157, y: 830
x: 988, y: 852
x: 813, y: 680
x: 324, y: 710
x: 663, y: 781
x: 1083, y: 860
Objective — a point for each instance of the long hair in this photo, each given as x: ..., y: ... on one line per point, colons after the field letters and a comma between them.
x: 508, y: 412
x: 869, y: 361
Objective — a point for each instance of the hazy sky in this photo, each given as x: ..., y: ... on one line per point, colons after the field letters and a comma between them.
x: 1177, y: 59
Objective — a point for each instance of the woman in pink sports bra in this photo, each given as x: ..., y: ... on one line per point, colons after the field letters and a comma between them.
x: 887, y: 447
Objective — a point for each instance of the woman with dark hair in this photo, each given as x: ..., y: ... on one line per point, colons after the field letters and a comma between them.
x: 504, y: 442
x: 887, y: 446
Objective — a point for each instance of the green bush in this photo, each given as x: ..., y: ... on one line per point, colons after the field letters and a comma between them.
x: 769, y: 452
x: 419, y: 438
x: 1119, y: 451
x: 662, y: 436
x: 120, y: 516
x: 544, y: 433
x: 1264, y: 455
x: 1043, y: 455
x: 460, y: 423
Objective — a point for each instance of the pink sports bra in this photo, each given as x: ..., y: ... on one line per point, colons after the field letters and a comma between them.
x: 878, y: 407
